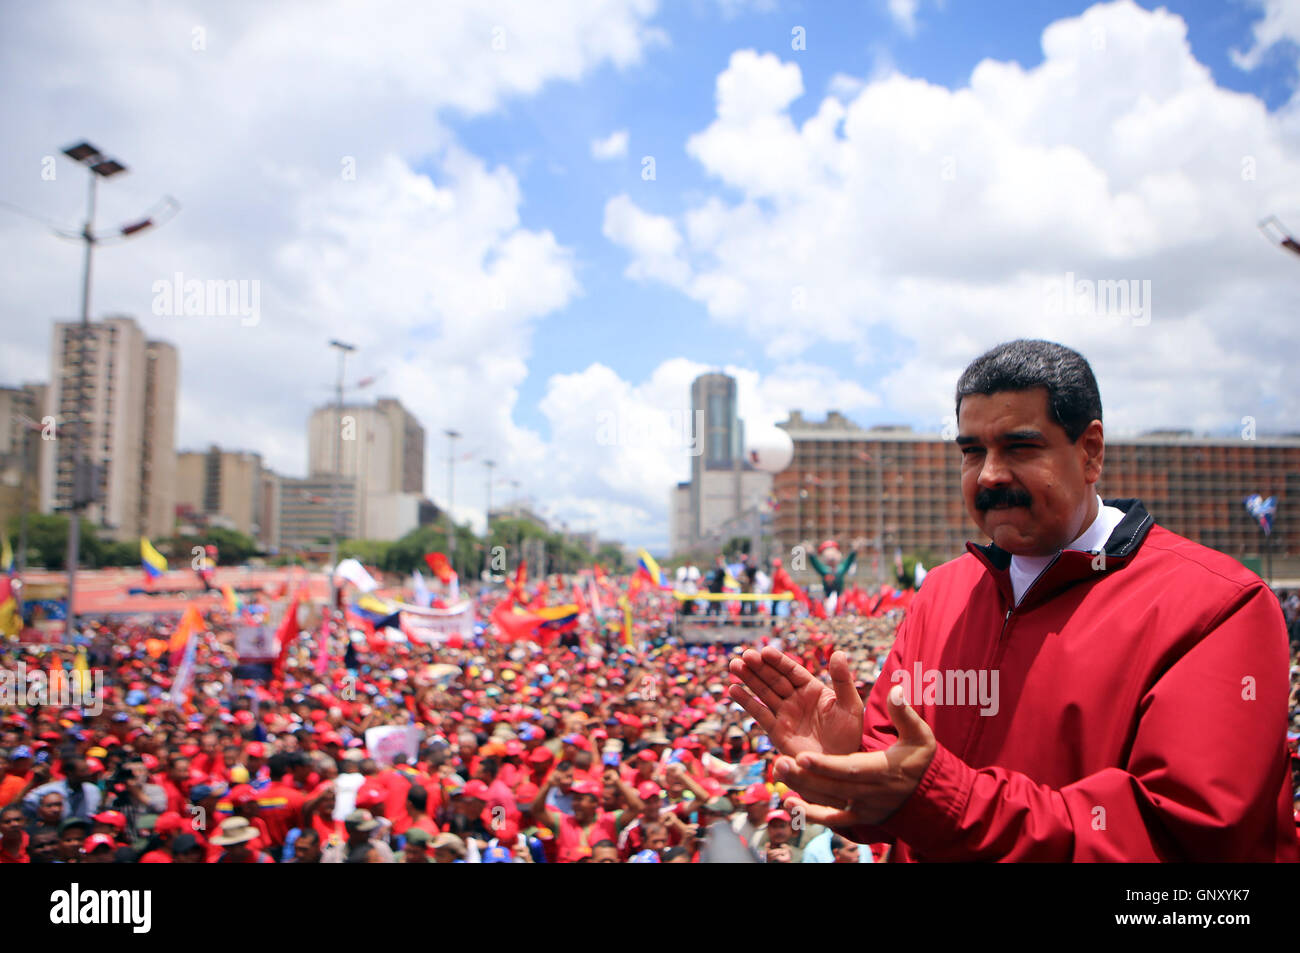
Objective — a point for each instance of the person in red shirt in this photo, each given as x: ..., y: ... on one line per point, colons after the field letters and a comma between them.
x: 14, y: 775
x: 176, y: 784
x: 242, y: 802
x: 234, y: 836
x: 588, y: 826
x: 13, y: 839
x: 168, y: 826
x: 280, y: 804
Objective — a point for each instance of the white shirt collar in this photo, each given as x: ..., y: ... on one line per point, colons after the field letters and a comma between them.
x: 1026, y: 569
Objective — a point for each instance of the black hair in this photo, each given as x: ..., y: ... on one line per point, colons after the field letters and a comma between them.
x: 1073, y: 400
x: 604, y: 843
x: 308, y: 834
x: 418, y: 797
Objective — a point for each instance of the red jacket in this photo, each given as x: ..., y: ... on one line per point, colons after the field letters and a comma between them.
x: 1141, y: 715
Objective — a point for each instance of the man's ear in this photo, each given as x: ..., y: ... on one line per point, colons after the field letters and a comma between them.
x: 1092, y: 445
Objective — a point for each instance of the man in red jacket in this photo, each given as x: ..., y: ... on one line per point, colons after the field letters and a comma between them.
x: 1089, y: 687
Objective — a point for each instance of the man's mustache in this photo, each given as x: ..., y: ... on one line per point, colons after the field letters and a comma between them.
x: 986, y: 499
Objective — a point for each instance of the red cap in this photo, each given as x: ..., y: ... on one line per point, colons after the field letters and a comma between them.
x: 116, y: 818
x: 169, y: 822
x: 476, y: 789
x: 514, y: 749
x: 370, y: 795
x: 242, y: 794
x: 540, y: 755
x: 648, y: 789
x: 255, y: 749
x: 525, y: 793
x: 586, y: 786
x: 94, y: 765
x: 647, y: 755
x: 96, y: 841
x: 754, y: 793
x: 779, y: 815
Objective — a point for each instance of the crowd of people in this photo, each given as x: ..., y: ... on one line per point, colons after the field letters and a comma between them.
x: 587, y: 750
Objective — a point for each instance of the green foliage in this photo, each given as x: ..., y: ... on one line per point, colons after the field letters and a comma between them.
x: 233, y: 547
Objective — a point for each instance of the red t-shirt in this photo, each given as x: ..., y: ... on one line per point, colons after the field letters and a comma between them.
x: 10, y: 787
x: 280, y: 810
x: 572, y: 838
x: 19, y: 858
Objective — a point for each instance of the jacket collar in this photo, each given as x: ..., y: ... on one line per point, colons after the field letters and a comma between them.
x: 1071, y: 565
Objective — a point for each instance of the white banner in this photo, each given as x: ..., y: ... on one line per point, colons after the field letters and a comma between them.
x: 433, y: 626
x: 256, y: 643
x: 387, y: 741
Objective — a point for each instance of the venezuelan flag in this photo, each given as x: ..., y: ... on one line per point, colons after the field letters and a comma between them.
x: 377, y: 612
x: 627, y: 621
x: 153, y: 562
x: 558, y: 618
x: 645, y: 563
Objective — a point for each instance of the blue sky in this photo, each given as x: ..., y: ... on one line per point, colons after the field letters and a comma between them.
x: 843, y: 226
x: 545, y: 141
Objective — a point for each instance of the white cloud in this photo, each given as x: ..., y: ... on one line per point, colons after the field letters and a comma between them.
x: 305, y: 143
x: 618, y: 447
x: 613, y: 146
x: 930, y: 221
x: 1281, y: 23
x: 655, y: 240
x: 903, y: 13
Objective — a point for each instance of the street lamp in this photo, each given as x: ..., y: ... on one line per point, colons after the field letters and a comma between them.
x: 337, y: 470
x: 1275, y: 232
x: 85, y: 475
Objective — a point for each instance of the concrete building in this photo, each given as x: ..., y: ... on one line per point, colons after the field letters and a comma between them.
x: 381, y: 448
x: 889, y: 488
x: 306, y: 511
x: 723, y: 485
x: 225, y: 484
x: 126, y: 388
x: 21, y: 409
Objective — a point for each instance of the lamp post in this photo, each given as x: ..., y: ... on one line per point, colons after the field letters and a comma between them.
x: 336, y: 515
x: 85, y: 476
x: 452, y: 437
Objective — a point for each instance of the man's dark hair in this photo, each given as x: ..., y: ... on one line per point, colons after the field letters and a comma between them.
x: 837, y: 842
x: 604, y: 843
x: 1073, y: 400
x: 490, y: 767
x: 308, y: 836
x: 418, y: 798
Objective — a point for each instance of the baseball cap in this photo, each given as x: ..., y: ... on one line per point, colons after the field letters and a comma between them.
x: 586, y: 787
x: 417, y: 835
x: 778, y: 815
x: 497, y: 855
x: 95, y: 841
x: 115, y: 818
x: 476, y: 789
x: 755, y: 793
x: 648, y: 789
x: 610, y: 759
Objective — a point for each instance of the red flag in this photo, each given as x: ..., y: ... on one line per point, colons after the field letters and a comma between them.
x: 286, y: 633
x: 577, y: 598
x: 191, y: 622
x: 439, y: 566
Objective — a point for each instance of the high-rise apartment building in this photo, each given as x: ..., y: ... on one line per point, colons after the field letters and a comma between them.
x: 380, y: 449
x: 116, y: 392
x: 21, y: 410
x: 722, y: 485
